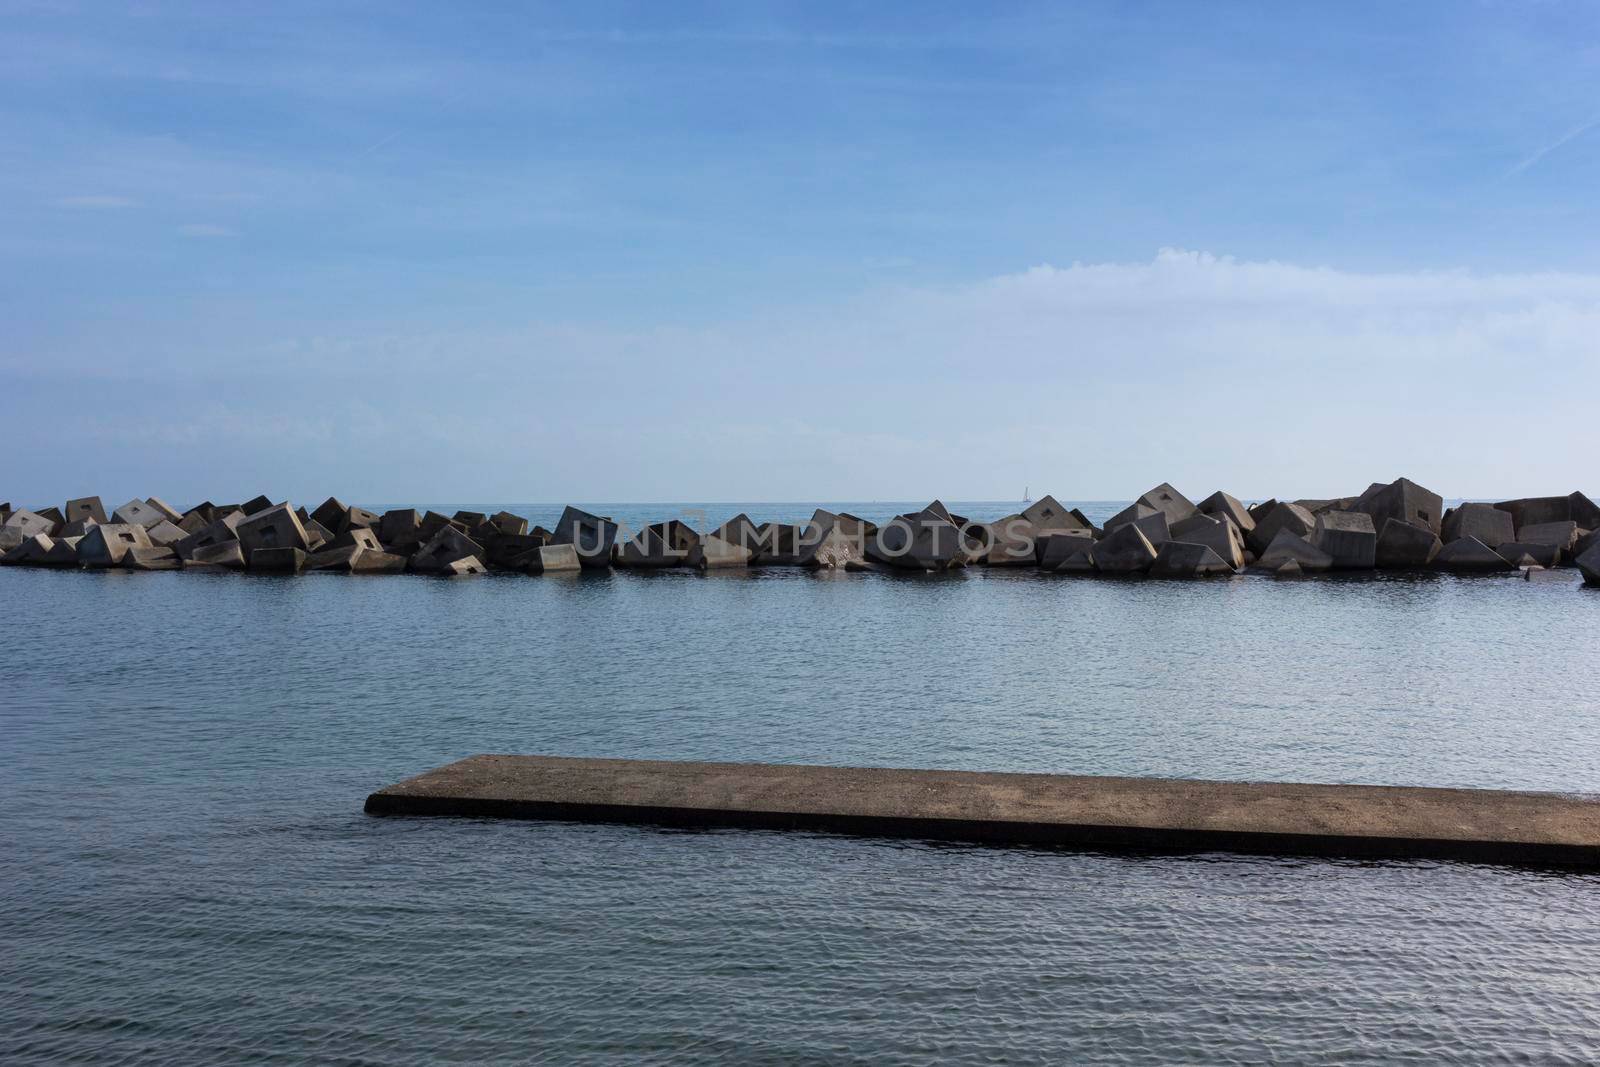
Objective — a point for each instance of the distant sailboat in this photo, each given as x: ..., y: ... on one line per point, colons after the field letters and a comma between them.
x: 1027, y: 497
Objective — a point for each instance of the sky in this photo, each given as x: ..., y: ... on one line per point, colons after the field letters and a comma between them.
x: 747, y: 252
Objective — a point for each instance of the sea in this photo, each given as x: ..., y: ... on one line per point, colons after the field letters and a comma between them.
x: 186, y: 874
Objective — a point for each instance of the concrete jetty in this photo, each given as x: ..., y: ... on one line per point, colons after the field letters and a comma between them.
x: 1035, y: 809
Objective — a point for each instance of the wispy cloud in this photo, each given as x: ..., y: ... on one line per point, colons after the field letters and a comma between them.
x: 206, y: 229
x: 1572, y: 134
x: 95, y: 203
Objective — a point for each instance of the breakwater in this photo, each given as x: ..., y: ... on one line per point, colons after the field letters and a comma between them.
x: 1037, y: 809
x: 1397, y: 525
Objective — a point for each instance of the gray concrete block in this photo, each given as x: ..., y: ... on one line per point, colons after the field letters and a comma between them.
x: 779, y: 545
x: 1220, y: 535
x: 1537, y: 510
x: 1349, y: 538
x: 220, y: 531
x: 1514, y: 552
x: 1289, y: 547
x: 1046, y: 515
x: 661, y: 544
x: 225, y: 554
x: 1124, y: 550
x: 276, y: 527
x: 1583, y: 511
x: 1402, y: 546
x: 107, y: 544
x: 165, y: 510
x: 1223, y: 506
x: 591, y: 535
x: 445, y: 548
x: 1056, y: 549
x: 1283, y: 518
x: 1589, y: 565
x: 1469, y: 554
x: 1562, y: 534
x: 85, y: 507
x: 164, y: 534
x: 137, y: 513
x: 1171, y: 503
x: 1177, y: 559
x: 1405, y: 500
x: 509, y: 524
x: 278, y: 559
x: 255, y: 506
x: 151, y: 558
x: 552, y: 559
x: 1489, y: 524
x: 401, y: 528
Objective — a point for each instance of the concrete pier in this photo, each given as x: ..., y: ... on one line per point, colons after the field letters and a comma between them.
x: 1037, y: 809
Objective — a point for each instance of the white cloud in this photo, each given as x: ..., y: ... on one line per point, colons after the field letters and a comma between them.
x: 206, y: 229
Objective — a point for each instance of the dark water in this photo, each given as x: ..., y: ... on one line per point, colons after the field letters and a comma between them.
x: 185, y: 874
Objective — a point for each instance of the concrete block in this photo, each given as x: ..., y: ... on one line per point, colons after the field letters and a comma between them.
x: 1489, y: 524
x: 927, y: 540
x: 355, y: 516
x: 1283, y: 518
x: 85, y: 507
x: 1220, y: 535
x: 276, y: 527
x: 1405, y: 500
x: 1176, y: 559
x: 1589, y: 565
x: 24, y: 524
x: 317, y: 535
x: 1260, y: 511
x: 166, y: 510
x: 1514, y: 552
x: 462, y: 568
x: 37, y: 551
x: 713, y: 553
x: 1288, y: 547
x: 256, y: 506
x: 1015, y: 542
x: 164, y: 534
x: 508, y: 549
x: 54, y: 517
x: 1562, y: 534
x: 76, y: 529
x: 1222, y: 506
x: 224, y: 554
x: 284, y: 559
x: 1583, y: 511
x: 591, y: 535
x: 509, y: 524
x: 151, y: 558
x: 445, y: 548
x: 832, y: 541
x: 778, y: 545
x: 333, y: 514
x: 107, y: 544
x: 356, y: 537
x: 552, y: 559
x: 1046, y: 515
x: 1349, y: 538
x: 1537, y: 510
x: 662, y: 544
x: 1055, y: 550
x: 469, y: 519
x: 401, y: 529
x: 370, y: 562
x: 1402, y: 546
x: 1124, y: 550
x: 220, y: 531
x: 1469, y: 554
x: 1171, y: 503
x: 194, y: 521
x: 1132, y: 513
x: 137, y: 513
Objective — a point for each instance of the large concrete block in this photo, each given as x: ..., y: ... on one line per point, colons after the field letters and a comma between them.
x: 778, y: 545
x: 1348, y: 537
x: 1489, y: 524
x: 1402, y: 546
x: 927, y: 540
x: 444, y: 549
x: 42, y: 550
x: 107, y: 544
x: 401, y: 529
x: 137, y: 513
x: 1055, y: 550
x: 317, y: 535
x: 1583, y: 511
x: 1013, y: 541
x: 85, y: 507
x: 1046, y: 515
x: 276, y: 527
x: 509, y: 524
x: 507, y: 550
x: 255, y: 506
x: 1589, y: 565
x: 552, y: 559
x: 151, y: 558
x: 1258, y: 512
x: 363, y: 537
x: 1469, y: 554
x: 221, y: 531
x: 355, y: 559
x: 1562, y: 534
x: 832, y: 541
x: 1537, y: 510
x: 733, y: 544
x: 591, y: 535
x: 23, y: 524
x: 1221, y: 505
x: 1283, y: 518
x: 164, y: 534
x: 333, y: 514
x: 165, y: 510
x: 1124, y: 550
x: 1171, y: 503
x: 462, y: 568
x: 1516, y: 552
x: 1405, y: 500
x: 1177, y: 559
x: 229, y: 554
x: 661, y: 544
x: 282, y: 559
x: 1289, y: 547
x: 1220, y: 535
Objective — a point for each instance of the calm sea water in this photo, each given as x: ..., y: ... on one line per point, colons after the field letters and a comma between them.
x: 186, y: 875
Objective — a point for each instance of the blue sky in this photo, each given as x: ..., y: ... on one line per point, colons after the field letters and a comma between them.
x: 819, y: 251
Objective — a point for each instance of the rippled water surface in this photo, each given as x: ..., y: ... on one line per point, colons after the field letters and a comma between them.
x: 186, y: 875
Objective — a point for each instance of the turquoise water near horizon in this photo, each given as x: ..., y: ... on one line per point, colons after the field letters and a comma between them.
x: 186, y: 875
